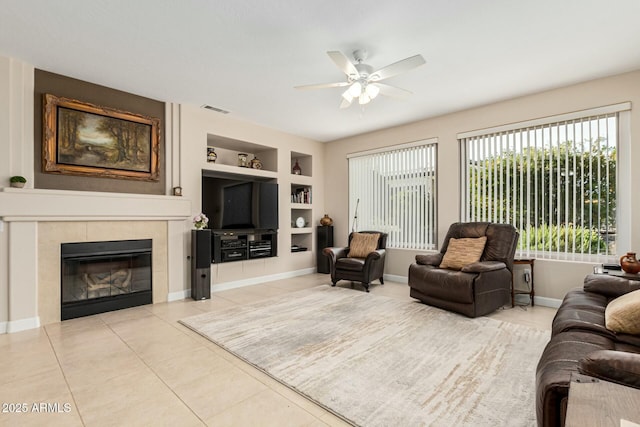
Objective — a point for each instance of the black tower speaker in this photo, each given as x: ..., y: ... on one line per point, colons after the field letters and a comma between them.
x: 324, y: 240
x: 200, y: 264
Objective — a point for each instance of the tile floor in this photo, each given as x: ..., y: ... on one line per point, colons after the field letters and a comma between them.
x: 139, y: 367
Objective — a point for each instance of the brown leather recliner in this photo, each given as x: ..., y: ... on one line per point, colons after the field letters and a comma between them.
x: 478, y: 288
x: 363, y: 270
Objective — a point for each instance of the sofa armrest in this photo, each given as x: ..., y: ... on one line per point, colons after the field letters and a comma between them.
x: 335, y: 253
x: 429, y: 259
x: 483, y: 266
x: 377, y: 254
x: 618, y: 367
x: 609, y: 286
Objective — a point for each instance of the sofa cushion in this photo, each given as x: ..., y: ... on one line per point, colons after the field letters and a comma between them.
x: 351, y: 264
x: 464, y: 251
x: 623, y: 314
x: 581, y: 311
x: 362, y: 244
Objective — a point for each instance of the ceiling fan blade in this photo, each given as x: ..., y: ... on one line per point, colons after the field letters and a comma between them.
x: 322, y: 85
x: 397, y: 68
x: 343, y: 63
x: 393, y: 91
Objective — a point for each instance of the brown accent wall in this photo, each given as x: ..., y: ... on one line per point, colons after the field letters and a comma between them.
x: 59, y: 85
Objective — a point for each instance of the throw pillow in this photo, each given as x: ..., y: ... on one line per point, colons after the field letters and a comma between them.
x: 623, y: 314
x: 461, y: 252
x: 362, y: 244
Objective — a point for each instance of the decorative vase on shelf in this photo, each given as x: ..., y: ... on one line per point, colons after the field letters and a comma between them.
x: 326, y: 220
x: 243, y: 160
x: 211, y: 155
x: 629, y: 263
x: 296, y: 169
x: 256, y: 163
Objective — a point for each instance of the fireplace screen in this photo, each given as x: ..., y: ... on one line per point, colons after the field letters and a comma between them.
x: 105, y: 276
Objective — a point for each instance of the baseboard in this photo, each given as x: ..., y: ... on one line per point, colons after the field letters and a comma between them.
x: 3, y: 327
x: 547, y: 302
x: 395, y: 278
x: 179, y: 295
x: 218, y: 287
x: 21, y: 325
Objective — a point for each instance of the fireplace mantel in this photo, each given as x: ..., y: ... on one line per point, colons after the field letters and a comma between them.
x: 34, y: 222
x: 59, y: 205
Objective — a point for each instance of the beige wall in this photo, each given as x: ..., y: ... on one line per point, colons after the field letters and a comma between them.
x: 553, y: 278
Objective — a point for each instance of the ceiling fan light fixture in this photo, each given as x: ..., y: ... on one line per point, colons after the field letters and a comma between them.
x: 372, y: 90
x: 364, y: 98
x: 347, y: 95
x: 355, y: 89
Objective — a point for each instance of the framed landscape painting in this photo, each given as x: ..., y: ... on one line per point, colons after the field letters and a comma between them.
x: 86, y: 139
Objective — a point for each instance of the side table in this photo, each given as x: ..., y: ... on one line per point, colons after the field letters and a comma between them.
x: 594, y: 402
x: 514, y: 291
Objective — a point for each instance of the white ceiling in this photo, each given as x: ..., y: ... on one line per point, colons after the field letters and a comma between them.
x: 245, y: 56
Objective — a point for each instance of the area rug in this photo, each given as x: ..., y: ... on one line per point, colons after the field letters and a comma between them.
x: 380, y: 361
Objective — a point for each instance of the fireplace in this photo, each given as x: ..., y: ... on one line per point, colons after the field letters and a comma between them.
x: 104, y: 276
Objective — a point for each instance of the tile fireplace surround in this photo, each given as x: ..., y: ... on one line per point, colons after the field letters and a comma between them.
x: 35, y: 223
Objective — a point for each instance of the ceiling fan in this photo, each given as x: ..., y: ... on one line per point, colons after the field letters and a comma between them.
x: 363, y: 81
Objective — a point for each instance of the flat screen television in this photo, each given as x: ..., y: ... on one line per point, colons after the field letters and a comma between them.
x: 240, y: 204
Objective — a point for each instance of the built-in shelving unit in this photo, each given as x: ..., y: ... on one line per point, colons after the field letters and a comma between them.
x: 227, y: 151
x: 301, y: 201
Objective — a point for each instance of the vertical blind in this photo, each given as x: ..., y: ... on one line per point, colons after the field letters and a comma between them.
x: 555, y: 182
x: 395, y: 192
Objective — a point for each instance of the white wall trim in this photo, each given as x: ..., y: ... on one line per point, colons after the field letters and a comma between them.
x: 3, y: 327
x: 22, y: 324
x: 396, y: 278
x: 218, y: 287
x: 179, y: 295
x: 547, y: 302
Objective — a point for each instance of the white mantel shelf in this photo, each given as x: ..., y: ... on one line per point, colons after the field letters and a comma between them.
x: 25, y: 204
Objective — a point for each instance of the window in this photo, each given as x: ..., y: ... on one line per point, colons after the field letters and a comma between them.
x: 554, y: 180
x: 394, y: 190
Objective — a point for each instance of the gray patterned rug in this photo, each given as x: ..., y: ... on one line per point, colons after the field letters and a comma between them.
x: 378, y: 361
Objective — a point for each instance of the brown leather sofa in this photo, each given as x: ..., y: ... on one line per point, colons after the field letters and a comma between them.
x: 364, y: 270
x: 478, y: 288
x: 580, y: 342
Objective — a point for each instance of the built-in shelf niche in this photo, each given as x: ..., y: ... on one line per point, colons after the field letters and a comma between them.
x: 301, y: 213
x: 227, y: 150
x: 304, y: 161
x: 302, y: 240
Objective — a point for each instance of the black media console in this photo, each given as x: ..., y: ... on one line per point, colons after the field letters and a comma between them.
x: 240, y: 245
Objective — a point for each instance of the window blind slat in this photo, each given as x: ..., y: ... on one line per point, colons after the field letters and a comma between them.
x: 555, y: 182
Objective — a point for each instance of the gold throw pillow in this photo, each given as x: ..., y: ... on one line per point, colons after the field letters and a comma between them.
x: 461, y: 252
x: 623, y: 314
x: 362, y: 244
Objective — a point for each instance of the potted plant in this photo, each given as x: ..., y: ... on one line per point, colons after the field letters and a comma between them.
x: 17, y: 181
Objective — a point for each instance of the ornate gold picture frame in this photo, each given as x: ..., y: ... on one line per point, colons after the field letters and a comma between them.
x: 85, y: 139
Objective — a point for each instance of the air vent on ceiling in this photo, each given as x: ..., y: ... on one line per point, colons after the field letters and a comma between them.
x: 216, y: 109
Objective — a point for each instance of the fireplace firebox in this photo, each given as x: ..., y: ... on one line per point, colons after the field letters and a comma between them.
x: 105, y: 276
